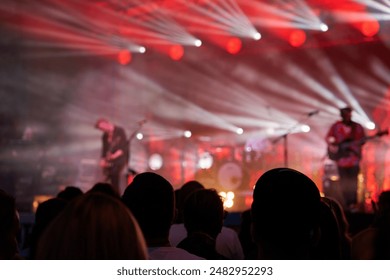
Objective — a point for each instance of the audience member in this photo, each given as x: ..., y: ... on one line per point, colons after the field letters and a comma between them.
x: 150, y: 197
x: 245, y: 236
x: 46, y: 212
x: 177, y: 231
x: 345, y: 240
x: 374, y: 242
x: 329, y: 244
x: 181, y: 196
x: 106, y: 188
x: 69, y: 193
x: 228, y: 243
x: 9, y: 227
x: 94, y: 226
x: 203, y: 219
x: 285, y: 213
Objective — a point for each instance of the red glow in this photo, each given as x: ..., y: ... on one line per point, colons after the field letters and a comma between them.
x: 345, y: 5
x: 176, y: 52
x: 248, y: 201
x: 370, y: 28
x: 297, y: 38
x: 124, y: 57
x: 234, y: 45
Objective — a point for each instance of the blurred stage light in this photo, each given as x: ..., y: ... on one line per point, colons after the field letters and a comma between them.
x: 270, y: 131
x: 228, y: 203
x: 239, y: 131
x: 370, y: 125
x: 187, y: 134
x: 228, y: 199
x: 257, y: 36
x: 324, y: 27
x: 124, y: 57
x: 297, y: 38
x: 198, y: 43
x: 142, y: 49
x: 230, y: 195
x: 233, y: 45
x: 155, y: 162
x: 205, y: 161
x: 305, y: 128
x: 139, y: 136
x: 370, y: 28
x: 176, y: 52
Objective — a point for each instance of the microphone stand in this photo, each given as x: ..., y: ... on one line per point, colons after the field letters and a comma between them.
x: 132, y: 135
x: 289, y: 131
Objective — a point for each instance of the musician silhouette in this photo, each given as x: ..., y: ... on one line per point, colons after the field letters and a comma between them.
x: 115, y: 151
x: 345, y: 139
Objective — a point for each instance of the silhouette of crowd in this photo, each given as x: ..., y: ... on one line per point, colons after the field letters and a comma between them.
x: 288, y: 220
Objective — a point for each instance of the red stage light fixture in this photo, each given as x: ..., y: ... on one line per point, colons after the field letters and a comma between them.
x: 370, y: 28
x: 297, y: 38
x: 176, y: 52
x: 124, y: 57
x: 234, y: 45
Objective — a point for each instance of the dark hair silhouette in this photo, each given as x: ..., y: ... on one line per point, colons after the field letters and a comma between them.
x: 285, y: 212
x: 150, y: 197
x: 69, y: 193
x: 248, y: 246
x: 182, y: 194
x: 46, y: 212
x: 203, y: 218
x: 335, y: 242
x: 382, y: 223
x: 9, y: 227
x: 106, y: 188
x: 203, y: 211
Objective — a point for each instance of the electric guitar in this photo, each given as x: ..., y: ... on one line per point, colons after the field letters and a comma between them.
x: 343, y: 149
x: 108, y: 163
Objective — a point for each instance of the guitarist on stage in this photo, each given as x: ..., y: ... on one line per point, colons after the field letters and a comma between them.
x: 115, y: 151
x: 345, y: 139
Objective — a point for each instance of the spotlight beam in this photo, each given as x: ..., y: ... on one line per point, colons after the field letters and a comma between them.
x: 296, y: 72
x: 376, y: 5
x: 198, y: 19
x: 68, y: 28
x: 341, y: 85
x: 242, y: 19
x: 304, y: 18
x: 381, y: 70
x: 224, y: 21
x: 348, y: 16
x: 228, y: 16
x: 300, y: 9
x: 174, y: 103
x: 159, y: 25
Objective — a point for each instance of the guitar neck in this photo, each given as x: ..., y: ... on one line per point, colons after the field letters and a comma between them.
x: 364, y: 139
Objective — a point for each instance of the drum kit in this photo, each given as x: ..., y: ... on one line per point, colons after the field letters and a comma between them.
x: 223, y: 168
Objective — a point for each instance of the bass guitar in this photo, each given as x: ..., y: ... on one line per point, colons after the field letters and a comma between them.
x: 343, y: 149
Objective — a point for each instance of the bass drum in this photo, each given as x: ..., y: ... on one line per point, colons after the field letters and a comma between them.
x: 230, y: 175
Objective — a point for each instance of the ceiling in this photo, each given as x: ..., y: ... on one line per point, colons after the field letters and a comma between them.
x: 69, y: 62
